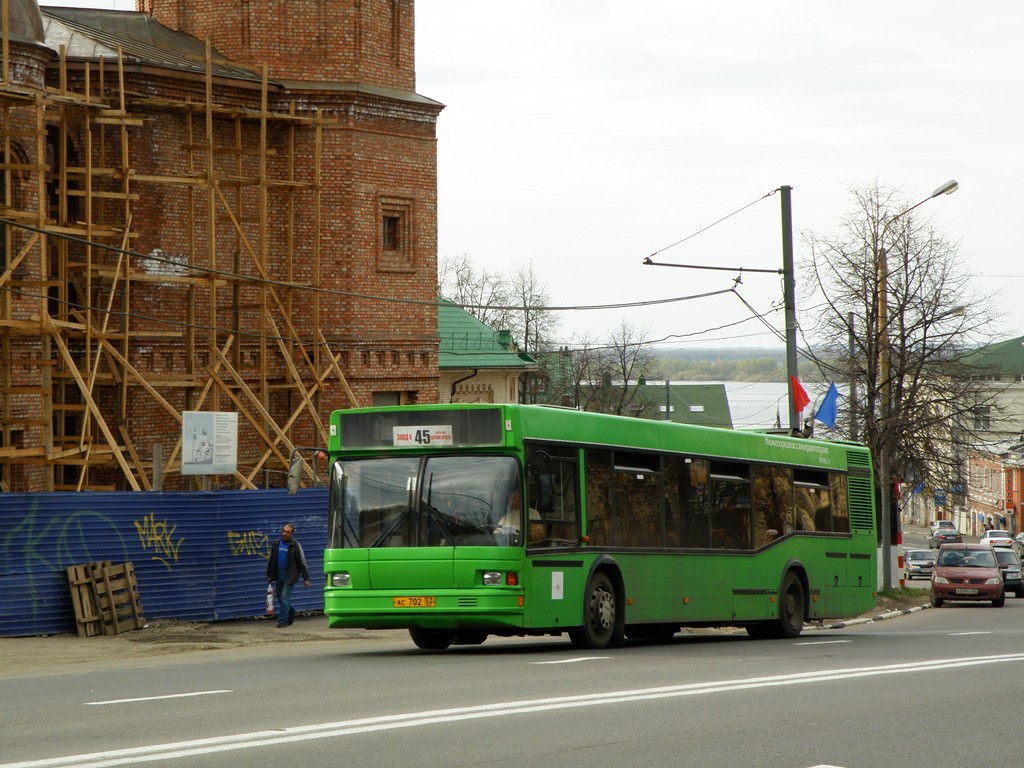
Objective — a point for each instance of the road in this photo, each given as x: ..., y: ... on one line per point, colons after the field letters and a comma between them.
x: 933, y: 687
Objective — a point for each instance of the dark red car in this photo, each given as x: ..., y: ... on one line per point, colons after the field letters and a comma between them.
x: 967, y: 572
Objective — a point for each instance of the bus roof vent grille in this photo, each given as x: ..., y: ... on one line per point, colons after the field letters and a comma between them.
x: 862, y: 514
x: 858, y: 459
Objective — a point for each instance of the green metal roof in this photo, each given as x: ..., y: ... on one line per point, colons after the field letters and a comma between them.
x: 706, y: 405
x: 468, y: 343
x: 1001, y: 357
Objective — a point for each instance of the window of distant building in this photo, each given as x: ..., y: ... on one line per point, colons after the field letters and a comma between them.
x: 393, y: 398
x: 396, y: 235
x: 392, y: 233
x: 982, y: 417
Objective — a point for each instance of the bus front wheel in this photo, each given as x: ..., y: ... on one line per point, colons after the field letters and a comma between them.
x: 432, y: 639
x: 601, y: 627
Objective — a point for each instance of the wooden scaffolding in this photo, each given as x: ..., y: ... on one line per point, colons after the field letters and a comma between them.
x: 80, y: 307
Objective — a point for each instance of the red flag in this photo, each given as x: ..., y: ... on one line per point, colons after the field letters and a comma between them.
x: 800, y: 398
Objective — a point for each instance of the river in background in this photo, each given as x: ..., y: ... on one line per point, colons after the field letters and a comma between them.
x: 755, y: 405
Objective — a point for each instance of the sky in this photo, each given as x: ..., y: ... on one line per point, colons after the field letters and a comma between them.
x: 581, y: 136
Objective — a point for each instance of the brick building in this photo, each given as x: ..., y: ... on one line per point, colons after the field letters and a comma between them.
x: 208, y: 205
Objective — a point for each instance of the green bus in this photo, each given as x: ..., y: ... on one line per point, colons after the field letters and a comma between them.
x: 466, y: 520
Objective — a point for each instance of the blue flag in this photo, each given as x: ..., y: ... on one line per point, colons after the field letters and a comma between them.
x: 827, y: 411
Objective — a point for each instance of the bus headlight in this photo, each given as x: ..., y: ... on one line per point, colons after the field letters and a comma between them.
x: 341, y: 579
x: 492, y: 578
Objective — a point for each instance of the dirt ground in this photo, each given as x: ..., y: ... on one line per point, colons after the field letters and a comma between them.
x: 161, y: 637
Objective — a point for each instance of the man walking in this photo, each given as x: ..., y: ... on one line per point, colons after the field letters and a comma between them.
x: 285, y: 565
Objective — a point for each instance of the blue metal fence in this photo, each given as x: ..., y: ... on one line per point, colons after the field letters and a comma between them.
x: 197, y: 556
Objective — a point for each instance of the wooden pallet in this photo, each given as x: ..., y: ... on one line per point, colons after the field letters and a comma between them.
x: 83, y: 597
x: 117, y: 594
x: 105, y: 598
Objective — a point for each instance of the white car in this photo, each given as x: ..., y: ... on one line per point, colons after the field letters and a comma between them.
x: 997, y: 539
x: 941, y: 524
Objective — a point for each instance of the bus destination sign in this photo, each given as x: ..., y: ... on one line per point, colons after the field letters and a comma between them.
x: 408, y: 437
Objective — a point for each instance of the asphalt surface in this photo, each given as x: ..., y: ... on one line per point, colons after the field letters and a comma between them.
x: 161, y: 637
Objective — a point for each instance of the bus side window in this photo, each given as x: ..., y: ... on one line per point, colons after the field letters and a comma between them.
x: 773, y: 504
x: 695, y: 529
x: 813, y: 506
x: 553, y: 502
x: 599, y: 491
x: 673, y: 521
x: 840, y: 503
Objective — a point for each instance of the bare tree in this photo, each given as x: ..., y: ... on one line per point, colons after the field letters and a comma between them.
x: 899, y: 322
x: 485, y: 295
x: 515, y: 302
x: 531, y: 320
x: 605, y: 375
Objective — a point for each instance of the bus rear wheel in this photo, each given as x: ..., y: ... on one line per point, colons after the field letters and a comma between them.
x: 601, y: 627
x: 791, y: 609
x: 469, y: 637
x: 432, y: 639
x: 791, y: 613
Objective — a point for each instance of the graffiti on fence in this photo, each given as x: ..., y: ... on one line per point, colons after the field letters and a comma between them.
x: 158, y: 535
x: 40, y: 544
x: 249, y: 543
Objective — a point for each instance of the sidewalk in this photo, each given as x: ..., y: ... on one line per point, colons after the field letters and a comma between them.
x: 161, y: 637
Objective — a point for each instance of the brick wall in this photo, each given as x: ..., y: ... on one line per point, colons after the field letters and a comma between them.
x: 374, y: 151
x: 364, y: 41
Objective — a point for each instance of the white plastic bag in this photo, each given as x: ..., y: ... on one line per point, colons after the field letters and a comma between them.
x: 270, y: 599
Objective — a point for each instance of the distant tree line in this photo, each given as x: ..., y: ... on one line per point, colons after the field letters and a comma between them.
x: 714, y: 366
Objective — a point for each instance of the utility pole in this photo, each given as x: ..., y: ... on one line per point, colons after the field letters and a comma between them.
x: 853, y: 379
x: 789, y: 296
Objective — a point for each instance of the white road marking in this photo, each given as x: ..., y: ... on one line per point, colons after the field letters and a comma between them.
x: 964, y: 634
x: 823, y: 642
x: 573, y: 661
x: 154, y: 698
x: 255, y: 739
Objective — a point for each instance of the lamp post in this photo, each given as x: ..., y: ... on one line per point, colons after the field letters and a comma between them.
x: 884, y: 448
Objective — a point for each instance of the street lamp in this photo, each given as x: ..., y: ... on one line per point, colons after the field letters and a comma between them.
x: 885, y: 479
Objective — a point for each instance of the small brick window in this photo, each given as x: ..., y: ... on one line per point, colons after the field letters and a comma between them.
x: 392, y: 233
x: 397, y: 235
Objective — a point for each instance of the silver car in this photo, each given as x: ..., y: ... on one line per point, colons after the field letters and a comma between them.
x: 1010, y: 565
x: 918, y: 563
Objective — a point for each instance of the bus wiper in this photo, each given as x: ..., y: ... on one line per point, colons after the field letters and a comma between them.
x: 434, y: 515
x: 349, y: 531
x: 386, y: 533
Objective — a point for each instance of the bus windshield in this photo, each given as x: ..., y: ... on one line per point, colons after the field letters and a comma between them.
x: 421, y: 501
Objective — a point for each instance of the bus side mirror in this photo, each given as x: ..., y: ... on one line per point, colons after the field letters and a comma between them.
x: 294, y: 475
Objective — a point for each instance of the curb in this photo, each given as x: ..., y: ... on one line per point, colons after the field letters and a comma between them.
x: 873, y: 619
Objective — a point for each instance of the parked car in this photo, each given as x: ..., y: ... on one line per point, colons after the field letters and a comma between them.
x: 967, y: 572
x: 945, y: 536
x: 918, y: 562
x: 1018, y: 544
x: 1013, y: 581
x: 941, y: 524
x: 997, y: 539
